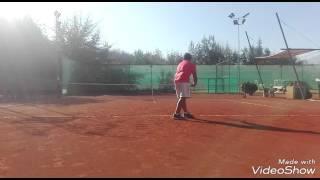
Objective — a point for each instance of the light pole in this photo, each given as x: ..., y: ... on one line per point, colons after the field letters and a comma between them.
x: 57, y: 14
x: 238, y: 21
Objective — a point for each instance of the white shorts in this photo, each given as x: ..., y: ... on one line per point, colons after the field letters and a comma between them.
x: 182, y: 90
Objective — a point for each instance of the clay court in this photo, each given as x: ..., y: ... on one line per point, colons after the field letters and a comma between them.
x: 135, y: 136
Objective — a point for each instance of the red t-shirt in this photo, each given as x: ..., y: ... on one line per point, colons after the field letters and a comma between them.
x: 184, y: 70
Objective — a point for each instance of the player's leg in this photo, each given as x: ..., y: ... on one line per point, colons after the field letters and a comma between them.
x: 177, y: 114
x: 186, y: 95
x: 179, y: 105
x: 184, y: 104
x: 187, y: 114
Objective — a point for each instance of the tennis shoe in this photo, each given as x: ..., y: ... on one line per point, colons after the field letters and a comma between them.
x: 177, y: 117
x: 188, y: 115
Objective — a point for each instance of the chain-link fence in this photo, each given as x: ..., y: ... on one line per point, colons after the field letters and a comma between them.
x: 211, y: 78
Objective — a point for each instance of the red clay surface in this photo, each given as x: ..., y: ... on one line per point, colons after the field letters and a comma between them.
x: 134, y: 136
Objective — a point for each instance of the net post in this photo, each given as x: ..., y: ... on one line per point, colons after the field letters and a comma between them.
x: 301, y: 72
x: 281, y: 71
x: 318, y: 89
x: 151, y: 80
x: 229, y: 79
x: 216, y: 80
x: 208, y: 86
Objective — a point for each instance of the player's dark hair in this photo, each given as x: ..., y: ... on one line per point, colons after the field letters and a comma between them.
x: 187, y: 56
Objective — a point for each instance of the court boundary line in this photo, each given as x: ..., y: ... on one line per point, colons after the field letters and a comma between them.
x: 168, y: 115
x: 224, y: 115
x: 257, y: 104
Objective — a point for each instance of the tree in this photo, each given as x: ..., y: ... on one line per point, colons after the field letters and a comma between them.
x: 155, y: 57
x: 80, y: 39
x: 174, y: 58
x: 259, y: 49
x: 256, y: 51
x: 139, y: 57
x: 245, y: 56
x: 27, y: 59
x: 267, y: 52
x: 208, y: 51
x: 118, y: 56
x: 234, y: 58
x: 228, y: 54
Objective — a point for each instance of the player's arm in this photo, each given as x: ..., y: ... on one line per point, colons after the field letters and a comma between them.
x: 195, y: 79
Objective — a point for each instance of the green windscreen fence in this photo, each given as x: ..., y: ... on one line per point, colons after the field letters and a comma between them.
x: 80, y: 77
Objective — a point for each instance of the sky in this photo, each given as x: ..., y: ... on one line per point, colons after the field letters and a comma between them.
x: 170, y: 26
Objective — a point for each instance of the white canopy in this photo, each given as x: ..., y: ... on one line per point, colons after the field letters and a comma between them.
x: 312, y: 57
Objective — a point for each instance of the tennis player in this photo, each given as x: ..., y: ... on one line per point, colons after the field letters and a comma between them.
x: 182, y: 85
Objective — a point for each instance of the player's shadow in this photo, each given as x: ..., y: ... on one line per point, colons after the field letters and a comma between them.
x: 248, y: 125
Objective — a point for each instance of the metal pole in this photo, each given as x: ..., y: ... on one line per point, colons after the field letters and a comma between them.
x: 239, y: 57
x: 128, y: 80
x: 151, y: 81
x: 281, y: 69
x: 59, y: 76
x: 216, y: 81
x: 208, y: 85
x: 223, y: 89
x: 254, y: 61
x: 318, y: 89
x: 294, y: 68
x: 301, y: 71
x: 229, y: 77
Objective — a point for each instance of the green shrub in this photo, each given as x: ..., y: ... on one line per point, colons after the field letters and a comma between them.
x: 249, y: 88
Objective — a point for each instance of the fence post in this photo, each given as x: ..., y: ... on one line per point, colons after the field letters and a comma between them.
x: 229, y: 79
x: 302, y: 72
x: 216, y: 81
x: 319, y: 90
x: 208, y: 86
x: 281, y: 71
x: 128, y: 80
x: 151, y: 81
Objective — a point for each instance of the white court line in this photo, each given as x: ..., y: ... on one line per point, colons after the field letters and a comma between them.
x: 313, y: 100
x: 65, y: 116
x: 260, y: 115
x: 44, y: 117
x: 201, y: 115
x: 224, y: 115
x: 11, y: 105
x: 256, y: 104
x: 168, y: 115
x: 161, y: 115
x: 154, y: 101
